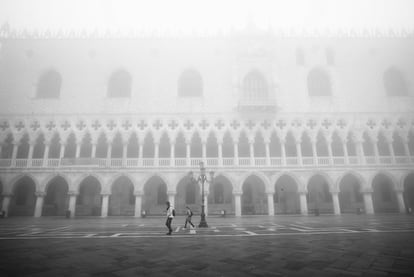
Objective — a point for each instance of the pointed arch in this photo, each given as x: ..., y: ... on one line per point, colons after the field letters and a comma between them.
x: 286, y: 197
x: 24, y: 199
x: 88, y: 201
x: 384, y: 197
x: 319, y: 196
x: 56, y: 200
x: 254, y: 199
x: 122, y: 198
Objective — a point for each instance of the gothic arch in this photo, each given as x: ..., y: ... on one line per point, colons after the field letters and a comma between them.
x: 86, y: 175
x: 258, y: 174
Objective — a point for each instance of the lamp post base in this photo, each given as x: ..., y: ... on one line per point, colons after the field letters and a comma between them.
x: 203, y: 222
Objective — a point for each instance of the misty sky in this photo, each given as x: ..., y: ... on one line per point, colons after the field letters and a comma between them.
x: 208, y: 15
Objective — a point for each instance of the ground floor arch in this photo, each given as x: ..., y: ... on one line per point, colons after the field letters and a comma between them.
x: 89, y: 200
x: 350, y: 195
x: 56, y: 200
x: 188, y: 194
x: 319, y: 195
x: 254, y: 200
x: 24, y: 198
x: 220, y: 197
x: 122, y: 199
x: 383, y: 196
x: 155, y: 196
x: 409, y: 192
x: 286, y: 197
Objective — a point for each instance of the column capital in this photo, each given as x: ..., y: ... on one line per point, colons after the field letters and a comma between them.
x: 237, y: 193
x: 367, y: 191
x: 72, y: 193
x: 40, y: 194
x: 105, y: 194
x: 171, y: 192
x: 138, y: 193
x: 7, y: 194
x: 303, y: 191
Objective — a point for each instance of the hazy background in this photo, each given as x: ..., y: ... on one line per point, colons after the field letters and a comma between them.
x: 206, y: 16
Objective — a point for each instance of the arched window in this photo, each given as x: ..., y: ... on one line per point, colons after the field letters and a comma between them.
x: 49, y: 85
x: 319, y: 83
x: 255, y: 86
x: 190, y: 84
x: 394, y: 82
x: 119, y: 84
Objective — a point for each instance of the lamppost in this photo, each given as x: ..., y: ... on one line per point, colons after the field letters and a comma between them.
x: 202, y: 178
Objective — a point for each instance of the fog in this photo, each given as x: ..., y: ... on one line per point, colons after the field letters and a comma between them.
x: 206, y: 16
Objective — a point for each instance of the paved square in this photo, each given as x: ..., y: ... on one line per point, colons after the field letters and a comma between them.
x: 347, y: 245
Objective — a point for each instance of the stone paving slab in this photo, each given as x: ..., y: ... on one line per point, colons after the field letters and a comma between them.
x: 282, y: 252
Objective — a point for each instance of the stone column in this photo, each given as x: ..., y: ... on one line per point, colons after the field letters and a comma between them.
x: 391, y: 150
x: 46, y: 153
x: 138, y: 204
x: 172, y: 154
x: 124, y: 153
x: 72, y: 203
x: 105, y: 205
x: 30, y: 156
x: 237, y: 203
x: 93, y: 153
x: 6, y: 204
x: 171, y: 197
x: 303, y: 203
x: 314, y: 152
x: 204, y: 152
x: 39, y: 204
x: 369, y: 206
x: 220, y: 154
x: 376, y: 153
x: 345, y: 150
x: 360, y: 151
x: 330, y: 155
x: 400, y: 201
x: 78, y: 146
x: 267, y: 148
x: 299, y: 153
x: 236, y: 152
x: 251, y: 152
x: 270, y: 204
x: 14, y: 153
x: 140, y: 153
x: 283, y: 151
x: 156, y: 153
x: 335, y: 202
x: 188, y: 152
x: 62, y: 149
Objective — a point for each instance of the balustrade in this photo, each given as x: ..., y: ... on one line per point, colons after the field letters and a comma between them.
x: 194, y: 162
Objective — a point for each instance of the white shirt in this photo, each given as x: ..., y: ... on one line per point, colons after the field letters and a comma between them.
x: 170, y: 212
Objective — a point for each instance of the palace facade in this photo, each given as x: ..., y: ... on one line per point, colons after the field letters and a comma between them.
x: 111, y: 124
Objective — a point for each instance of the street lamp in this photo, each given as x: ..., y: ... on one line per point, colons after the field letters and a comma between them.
x: 202, y: 178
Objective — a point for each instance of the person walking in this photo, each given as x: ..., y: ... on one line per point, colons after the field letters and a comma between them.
x: 170, y: 216
x: 189, y: 214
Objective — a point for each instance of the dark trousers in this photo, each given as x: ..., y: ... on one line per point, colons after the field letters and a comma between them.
x: 188, y: 220
x: 168, y: 224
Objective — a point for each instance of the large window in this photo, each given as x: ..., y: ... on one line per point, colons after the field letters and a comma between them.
x: 119, y: 84
x: 394, y: 82
x: 190, y: 84
x: 49, y: 85
x: 319, y: 83
x: 255, y: 86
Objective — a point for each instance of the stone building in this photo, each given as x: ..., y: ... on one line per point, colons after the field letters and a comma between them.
x: 285, y: 123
